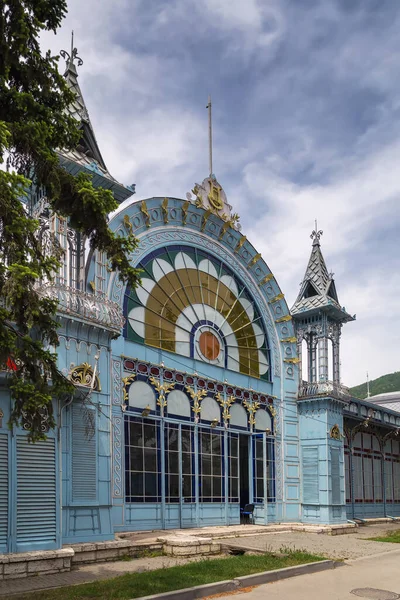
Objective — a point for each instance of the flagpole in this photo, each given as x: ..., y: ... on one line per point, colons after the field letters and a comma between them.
x: 210, y: 135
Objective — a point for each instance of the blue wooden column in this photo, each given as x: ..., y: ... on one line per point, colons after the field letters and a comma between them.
x: 322, y: 461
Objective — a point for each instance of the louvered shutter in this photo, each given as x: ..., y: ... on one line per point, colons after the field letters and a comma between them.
x: 84, y: 454
x: 3, y: 490
x: 335, y: 475
x: 36, y: 492
x: 310, y: 475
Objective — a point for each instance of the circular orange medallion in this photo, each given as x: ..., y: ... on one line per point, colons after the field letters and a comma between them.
x: 209, y: 345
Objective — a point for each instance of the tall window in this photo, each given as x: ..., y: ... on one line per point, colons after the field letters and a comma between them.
x: 211, y: 466
x: 392, y: 471
x: 233, y: 458
x: 263, y: 464
x: 142, y: 460
x: 172, y: 491
x: 188, y: 464
x: 367, y: 466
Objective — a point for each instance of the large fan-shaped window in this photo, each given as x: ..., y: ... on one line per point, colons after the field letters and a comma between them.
x: 192, y: 304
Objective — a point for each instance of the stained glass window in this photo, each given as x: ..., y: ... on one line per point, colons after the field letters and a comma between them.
x: 192, y: 304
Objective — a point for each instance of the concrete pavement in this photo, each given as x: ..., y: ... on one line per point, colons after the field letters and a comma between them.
x: 380, y: 572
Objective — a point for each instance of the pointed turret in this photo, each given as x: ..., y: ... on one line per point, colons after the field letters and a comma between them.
x: 318, y: 290
x: 87, y: 155
x: 318, y: 317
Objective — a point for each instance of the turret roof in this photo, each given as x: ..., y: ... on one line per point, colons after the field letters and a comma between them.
x: 317, y: 290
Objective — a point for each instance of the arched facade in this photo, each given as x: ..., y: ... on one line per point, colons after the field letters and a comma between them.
x: 209, y: 331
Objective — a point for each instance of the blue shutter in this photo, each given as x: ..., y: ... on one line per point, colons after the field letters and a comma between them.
x: 310, y: 475
x: 84, y: 454
x: 36, y: 492
x: 3, y: 489
x: 335, y: 475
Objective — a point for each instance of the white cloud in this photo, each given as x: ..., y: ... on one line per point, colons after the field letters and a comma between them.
x: 305, y: 122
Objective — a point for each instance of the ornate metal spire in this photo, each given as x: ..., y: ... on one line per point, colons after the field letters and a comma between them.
x: 72, y: 56
x: 316, y: 234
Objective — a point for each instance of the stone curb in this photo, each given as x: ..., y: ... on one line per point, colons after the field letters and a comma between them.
x: 202, y: 591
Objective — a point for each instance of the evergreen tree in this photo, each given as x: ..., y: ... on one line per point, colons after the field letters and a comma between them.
x: 34, y: 123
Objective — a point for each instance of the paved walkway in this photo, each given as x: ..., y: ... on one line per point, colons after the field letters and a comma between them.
x: 340, y: 546
x: 378, y: 572
x: 348, y: 546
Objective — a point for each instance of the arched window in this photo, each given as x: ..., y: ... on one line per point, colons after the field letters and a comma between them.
x: 210, y: 410
x: 238, y: 416
x: 263, y: 420
x: 141, y: 395
x: 178, y: 404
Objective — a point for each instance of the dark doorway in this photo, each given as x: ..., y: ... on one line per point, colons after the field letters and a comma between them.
x: 244, y: 470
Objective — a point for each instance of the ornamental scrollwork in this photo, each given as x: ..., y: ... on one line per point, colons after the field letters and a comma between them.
x: 335, y: 433
x: 197, y: 398
x: 126, y: 383
x: 84, y: 375
x: 251, y: 407
x: 44, y: 416
x: 226, y: 403
x: 162, y: 389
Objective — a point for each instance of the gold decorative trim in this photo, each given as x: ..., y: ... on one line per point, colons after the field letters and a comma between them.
x: 335, y: 433
x: 164, y: 208
x: 252, y: 408
x: 185, y: 208
x: 196, y: 397
x: 145, y: 212
x: 240, y: 243
x: 83, y: 375
x: 226, y: 403
x: 289, y: 340
x: 206, y: 216
x: 127, y: 224
x: 276, y: 298
x: 253, y: 261
x: 266, y: 279
x: 272, y: 410
x: 284, y: 319
x: 292, y: 361
x: 224, y: 229
x: 162, y: 389
x: 126, y: 384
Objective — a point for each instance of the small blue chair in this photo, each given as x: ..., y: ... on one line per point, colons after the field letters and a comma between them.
x: 247, y: 513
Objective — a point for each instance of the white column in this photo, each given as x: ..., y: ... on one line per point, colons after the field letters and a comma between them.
x: 323, y: 370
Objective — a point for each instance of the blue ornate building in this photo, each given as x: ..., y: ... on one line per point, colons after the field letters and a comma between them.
x: 189, y: 397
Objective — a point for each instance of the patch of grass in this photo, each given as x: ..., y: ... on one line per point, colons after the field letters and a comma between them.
x: 391, y: 536
x: 134, y: 585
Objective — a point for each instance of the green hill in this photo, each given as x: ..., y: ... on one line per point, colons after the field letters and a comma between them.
x: 386, y: 383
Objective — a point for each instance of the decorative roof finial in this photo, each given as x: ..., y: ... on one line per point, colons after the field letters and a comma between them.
x: 316, y: 234
x: 72, y: 56
x: 210, y: 136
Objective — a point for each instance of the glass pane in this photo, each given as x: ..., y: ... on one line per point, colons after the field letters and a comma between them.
x: 217, y: 486
x: 234, y: 467
x: 173, y: 462
x: 205, y: 443
x: 136, y: 459
x: 150, y: 480
x: 187, y: 486
x: 186, y: 463
x: 260, y: 489
x: 234, y: 447
x: 234, y: 487
x: 173, y: 439
x: 205, y: 487
x: 150, y: 460
x: 173, y: 486
x: 135, y: 434
x: 150, y: 440
x: 216, y: 444
x: 216, y: 465
x: 259, y: 468
x: 136, y: 484
x: 206, y: 464
x: 186, y: 440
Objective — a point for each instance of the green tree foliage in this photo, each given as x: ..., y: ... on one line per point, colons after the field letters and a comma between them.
x: 34, y: 123
x: 386, y: 383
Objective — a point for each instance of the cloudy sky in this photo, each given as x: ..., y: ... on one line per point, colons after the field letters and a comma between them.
x: 306, y: 117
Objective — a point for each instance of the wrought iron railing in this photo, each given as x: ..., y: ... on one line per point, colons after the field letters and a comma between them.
x: 324, y: 388
x: 87, y: 306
